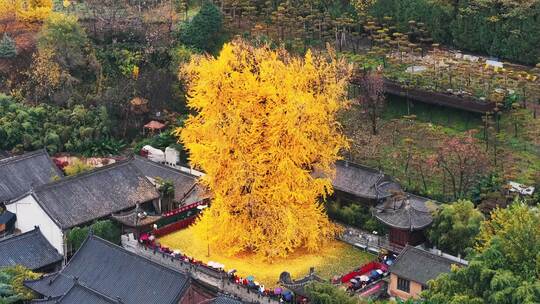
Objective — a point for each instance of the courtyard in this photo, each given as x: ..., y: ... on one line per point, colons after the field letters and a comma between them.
x: 335, y: 259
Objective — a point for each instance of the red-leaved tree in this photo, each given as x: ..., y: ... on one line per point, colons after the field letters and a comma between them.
x: 463, y: 160
x: 371, y: 99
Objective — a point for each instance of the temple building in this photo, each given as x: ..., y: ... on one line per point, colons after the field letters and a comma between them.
x: 406, y: 216
x: 79, y: 200
x: 357, y: 183
x: 31, y: 250
x: 102, y: 272
x: 21, y: 173
x: 414, y: 267
x: 187, y: 189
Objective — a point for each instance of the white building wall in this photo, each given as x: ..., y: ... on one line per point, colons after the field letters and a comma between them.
x: 30, y: 214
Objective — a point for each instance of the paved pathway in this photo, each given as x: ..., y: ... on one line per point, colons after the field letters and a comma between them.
x: 370, y: 242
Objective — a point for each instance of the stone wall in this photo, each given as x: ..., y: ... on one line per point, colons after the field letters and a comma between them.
x: 215, y: 278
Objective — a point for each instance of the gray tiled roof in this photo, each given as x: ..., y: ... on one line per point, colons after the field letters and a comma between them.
x: 46, y: 301
x: 52, y: 285
x: 116, y: 273
x: 95, y: 194
x: 409, y: 213
x: 419, y: 265
x: 81, y: 294
x: 29, y: 249
x: 185, y: 184
x: 363, y: 181
x: 18, y: 174
x: 78, y: 294
x: 6, y: 217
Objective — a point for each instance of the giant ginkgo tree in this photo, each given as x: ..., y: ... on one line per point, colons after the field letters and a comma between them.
x: 265, y: 133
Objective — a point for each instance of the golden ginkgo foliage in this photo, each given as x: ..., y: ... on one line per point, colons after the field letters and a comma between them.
x: 265, y: 122
x: 26, y: 10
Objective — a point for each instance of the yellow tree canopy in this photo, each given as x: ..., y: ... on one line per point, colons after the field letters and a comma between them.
x: 517, y: 230
x: 266, y: 121
x: 26, y: 10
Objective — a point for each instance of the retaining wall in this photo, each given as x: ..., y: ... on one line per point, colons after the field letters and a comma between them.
x: 212, y: 277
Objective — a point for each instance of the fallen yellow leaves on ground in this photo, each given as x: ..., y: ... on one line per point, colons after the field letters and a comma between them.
x: 334, y: 258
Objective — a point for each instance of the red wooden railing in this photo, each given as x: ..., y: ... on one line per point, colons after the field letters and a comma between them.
x: 184, y: 208
x: 174, y: 226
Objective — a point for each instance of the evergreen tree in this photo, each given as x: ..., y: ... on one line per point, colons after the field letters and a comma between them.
x: 12, y: 289
x: 505, y: 267
x: 7, y: 47
x: 328, y: 294
x: 205, y: 30
x: 105, y: 229
x: 455, y: 227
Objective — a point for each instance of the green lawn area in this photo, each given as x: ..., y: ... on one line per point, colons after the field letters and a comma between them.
x: 455, y: 119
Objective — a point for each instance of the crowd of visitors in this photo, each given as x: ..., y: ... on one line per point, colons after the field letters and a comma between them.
x: 286, y: 296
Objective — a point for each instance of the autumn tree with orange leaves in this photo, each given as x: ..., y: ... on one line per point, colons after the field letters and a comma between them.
x: 462, y: 159
x: 265, y: 122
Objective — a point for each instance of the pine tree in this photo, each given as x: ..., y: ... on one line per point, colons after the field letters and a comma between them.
x: 7, y: 47
x: 204, y: 31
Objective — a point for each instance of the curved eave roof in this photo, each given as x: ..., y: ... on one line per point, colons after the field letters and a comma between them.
x: 19, y: 174
x: 411, y: 213
x: 362, y: 181
x: 405, y: 219
x: 130, y: 219
x: 387, y: 188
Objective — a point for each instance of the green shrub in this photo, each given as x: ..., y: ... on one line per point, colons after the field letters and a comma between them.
x: 105, y: 229
x: 77, y: 167
x: 455, y: 227
x: 205, y: 30
x: 12, y: 289
x: 505, y: 30
x: 8, y: 49
x: 325, y: 293
x: 78, y: 129
x: 180, y: 55
x: 354, y: 214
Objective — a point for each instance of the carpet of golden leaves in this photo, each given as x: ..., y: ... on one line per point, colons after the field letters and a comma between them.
x: 336, y: 258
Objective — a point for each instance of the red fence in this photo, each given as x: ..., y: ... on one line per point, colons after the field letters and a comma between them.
x: 174, y: 226
x: 363, y: 270
x: 184, y: 208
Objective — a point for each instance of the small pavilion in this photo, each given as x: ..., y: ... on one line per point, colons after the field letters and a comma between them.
x: 153, y: 127
x: 139, y: 105
x: 136, y: 221
x: 298, y: 286
x: 407, y: 216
